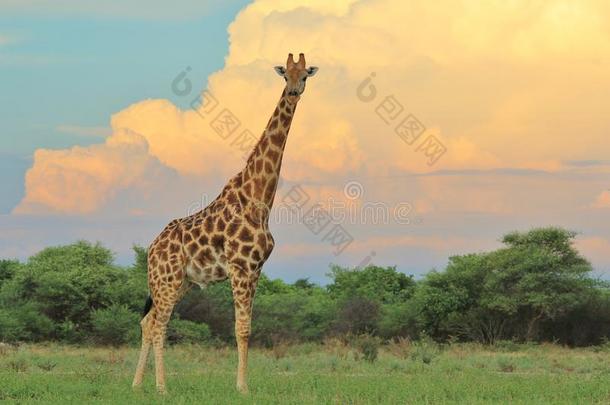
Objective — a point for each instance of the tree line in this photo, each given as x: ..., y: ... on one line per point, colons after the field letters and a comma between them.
x: 536, y: 287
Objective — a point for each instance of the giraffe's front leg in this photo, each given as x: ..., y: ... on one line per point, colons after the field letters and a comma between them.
x: 244, y: 286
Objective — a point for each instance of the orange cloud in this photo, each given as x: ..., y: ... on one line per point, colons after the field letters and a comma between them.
x: 602, y: 200
x: 597, y: 249
x: 439, y: 245
x: 509, y: 106
x: 81, y: 180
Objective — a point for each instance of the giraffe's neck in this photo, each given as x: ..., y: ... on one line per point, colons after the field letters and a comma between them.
x: 261, y: 175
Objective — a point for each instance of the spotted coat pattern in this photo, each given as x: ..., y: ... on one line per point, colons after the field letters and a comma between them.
x: 229, y: 239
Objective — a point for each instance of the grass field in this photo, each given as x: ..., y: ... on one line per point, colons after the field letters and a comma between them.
x: 306, y: 374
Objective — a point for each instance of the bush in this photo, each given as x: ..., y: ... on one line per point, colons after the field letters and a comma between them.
x: 115, y: 325
x: 535, y: 288
x: 381, y: 284
x: 69, y: 332
x: 24, y: 323
x: 425, y: 350
x: 213, y: 307
x: 299, y: 315
x: 182, y: 331
x: 401, y: 319
x: 400, y: 347
x: 368, y: 346
x: 604, y: 346
x: 11, y: 330
x: 357, y: 315
x: 8, y: 268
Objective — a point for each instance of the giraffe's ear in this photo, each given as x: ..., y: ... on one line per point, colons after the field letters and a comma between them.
x: 280, y: 70
x: 312, y: 70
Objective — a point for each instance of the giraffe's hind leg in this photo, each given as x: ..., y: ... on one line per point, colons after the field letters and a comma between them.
x: 167, y: 283
x: 162, y: 315
x: 146, y: 325
x: 166, y: 297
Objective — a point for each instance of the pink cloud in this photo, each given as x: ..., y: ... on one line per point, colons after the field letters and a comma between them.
x: 602, y: 200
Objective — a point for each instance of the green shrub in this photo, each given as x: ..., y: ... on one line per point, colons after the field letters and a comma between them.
x: 604, y: 346
x: 299, y: 315
x: 536, y: 288
x: 10, y: 329
x: 425, y: 350
x: 24, y: 323
x: 212, y: 306
x: 400, y: 319
x: 8, y: 268
x: 115, y: 325
x: 400, y: 347
x: 182, y: 331
x: 69, y: 332
x: 368, y: 346
x: 36, y: 326
x: 357, y: 315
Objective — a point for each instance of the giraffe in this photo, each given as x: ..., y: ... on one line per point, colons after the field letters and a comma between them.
x: 228, y: 239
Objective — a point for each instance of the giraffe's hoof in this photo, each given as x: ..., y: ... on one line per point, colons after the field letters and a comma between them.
x: 161, y: 390
x: 243, y: 389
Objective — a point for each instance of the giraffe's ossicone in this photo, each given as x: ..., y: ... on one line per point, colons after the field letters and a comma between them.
x: 229, y: 239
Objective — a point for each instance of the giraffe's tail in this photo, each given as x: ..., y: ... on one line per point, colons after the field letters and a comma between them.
x: 147, y: 306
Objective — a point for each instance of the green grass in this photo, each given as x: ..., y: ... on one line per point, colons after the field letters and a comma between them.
x: 307, y: 374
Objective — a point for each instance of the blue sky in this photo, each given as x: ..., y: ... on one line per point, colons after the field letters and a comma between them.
x: 61, y: 71
x: 524, y: 126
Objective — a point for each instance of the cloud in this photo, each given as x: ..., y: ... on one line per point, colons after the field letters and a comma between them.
x: 596, y: 249
x: 602, y: 200
x: 438, y: 244
x: 477, y: 97
x: 182, y: 140
x: 82, y: 180
x: 391, y: 249
x: 587, y: 163
x: 491, y: 106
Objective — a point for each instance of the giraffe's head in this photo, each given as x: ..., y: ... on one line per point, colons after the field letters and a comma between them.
x: 295, y: 75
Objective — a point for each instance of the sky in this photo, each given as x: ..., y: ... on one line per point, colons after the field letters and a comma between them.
x: 430, y: 130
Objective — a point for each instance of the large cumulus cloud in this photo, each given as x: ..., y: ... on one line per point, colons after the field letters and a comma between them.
x: 516, y: 84
x: 84, y: 179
